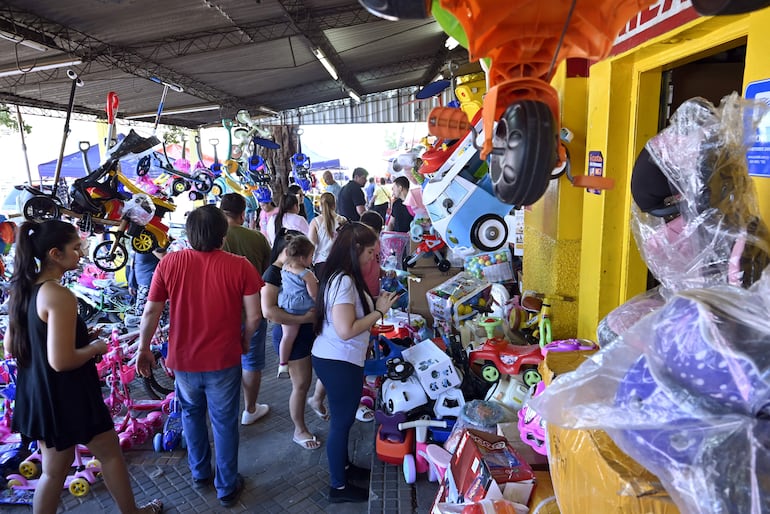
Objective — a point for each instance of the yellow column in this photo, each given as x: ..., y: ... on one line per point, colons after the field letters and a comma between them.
x: 758, y: 68
x: 605, y: 216
x: 552, y: 226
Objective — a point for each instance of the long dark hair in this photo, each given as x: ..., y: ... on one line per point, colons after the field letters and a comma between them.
x: 288, y: 202
x: 350, y: 242
x: 33, y: 243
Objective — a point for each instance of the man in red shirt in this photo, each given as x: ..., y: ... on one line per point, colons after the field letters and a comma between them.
x: 207, y: 289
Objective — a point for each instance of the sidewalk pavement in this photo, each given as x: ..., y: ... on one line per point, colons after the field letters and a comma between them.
x: 280, y: 475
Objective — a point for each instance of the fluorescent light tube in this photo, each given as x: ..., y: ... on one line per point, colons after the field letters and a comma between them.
x: 326, y: 64
x: 354, y: 96
x: 15, y: 38
x: 268, y: 110
x: 30, y: 67
x: 178, y: 110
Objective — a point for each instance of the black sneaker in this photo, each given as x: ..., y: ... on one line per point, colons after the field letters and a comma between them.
x: 201, y: 483
x: 353, y: 472
x: 349, y: 493
x: 232, y: 498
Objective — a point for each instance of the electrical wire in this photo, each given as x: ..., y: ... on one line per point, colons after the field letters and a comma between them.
x: 561, y: 39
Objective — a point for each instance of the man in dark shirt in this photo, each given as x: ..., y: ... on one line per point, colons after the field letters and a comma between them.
x: 352, y: 201
x: 400, y: 217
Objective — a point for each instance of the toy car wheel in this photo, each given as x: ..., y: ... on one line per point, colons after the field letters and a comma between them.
x: 178, y: 186
x: 107, y: 261
x: 444, y: 265
x: 94, y: 463
x: 28, y: 469
x: 527, y: 135
x: 531, y: 377
x: 157, y: 442
x: 195, y: 195
x: 145, y: 242
x: 489, y: 232
x: 410, y: 469
x: 216, y: 190
x: 40, y: 208
x: 79, y: 487
x: 726, y: 7
x: 490, y: 373
x: 143, y: 166
x: 203, y: 182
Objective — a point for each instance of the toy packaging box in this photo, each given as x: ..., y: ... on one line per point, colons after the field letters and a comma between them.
x: 433, y: 368
x: 481, y: 467
x: 459, y: 298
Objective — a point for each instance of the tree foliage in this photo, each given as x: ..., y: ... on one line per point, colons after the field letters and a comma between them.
x: 9, y: 120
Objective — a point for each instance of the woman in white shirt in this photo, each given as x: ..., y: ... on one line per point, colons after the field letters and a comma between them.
x: 323, y: 229
x: 344, y: 314
x: 287, y: 216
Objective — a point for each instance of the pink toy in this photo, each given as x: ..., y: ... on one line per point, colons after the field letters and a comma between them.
x: 419, y: 462
x: 532, y: 426
x: 78, y: 483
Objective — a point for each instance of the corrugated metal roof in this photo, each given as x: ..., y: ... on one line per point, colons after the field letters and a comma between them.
x: 236, y: 54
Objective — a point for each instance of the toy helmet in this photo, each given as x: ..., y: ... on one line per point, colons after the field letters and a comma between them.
x: 263, y: 194
x: 711, y: 355
x: 674, y: 436
x: 532, y: 425
x: 403, y: 395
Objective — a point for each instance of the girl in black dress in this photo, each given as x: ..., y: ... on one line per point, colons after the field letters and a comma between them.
x: 58, y: 397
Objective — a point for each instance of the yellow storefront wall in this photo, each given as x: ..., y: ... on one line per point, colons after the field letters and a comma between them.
x: 579, y: 243
x: 552, y: 227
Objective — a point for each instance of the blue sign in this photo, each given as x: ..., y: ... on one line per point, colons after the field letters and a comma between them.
x: 595, y: 168
x: 758, y: 155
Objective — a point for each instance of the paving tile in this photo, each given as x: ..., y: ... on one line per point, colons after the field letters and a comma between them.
x: 280, y: 476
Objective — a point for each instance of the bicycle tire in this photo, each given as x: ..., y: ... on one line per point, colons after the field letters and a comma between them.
x: 153, y: 389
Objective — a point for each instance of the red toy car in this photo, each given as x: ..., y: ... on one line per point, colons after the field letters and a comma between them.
x: 498, y: 356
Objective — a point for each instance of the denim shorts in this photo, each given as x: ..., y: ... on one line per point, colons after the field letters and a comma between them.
x: 302, y: 344
x: 254, y: 359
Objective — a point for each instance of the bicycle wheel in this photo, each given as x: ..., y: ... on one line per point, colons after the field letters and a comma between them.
x: 158, y: 385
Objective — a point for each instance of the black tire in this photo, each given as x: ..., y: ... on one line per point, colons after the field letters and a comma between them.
x: 86, y: 310
x: 179, y: 186
x: 106, y: 262
x: 528, y: 135
x: 143, y: 166
x: 489, y: 232
x: 154, y: 389
x: 40, y: 208
x: 444, y: 265
x: 727, y: 7
x: 203, y: 182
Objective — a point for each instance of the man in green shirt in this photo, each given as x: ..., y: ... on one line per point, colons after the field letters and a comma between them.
x: 255, y: 247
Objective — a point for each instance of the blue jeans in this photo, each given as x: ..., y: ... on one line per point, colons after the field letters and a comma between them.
x: 217, y: 392
x: 254, y: 359
x: 344, y: 382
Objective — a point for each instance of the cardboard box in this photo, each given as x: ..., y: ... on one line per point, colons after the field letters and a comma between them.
x: 433, y: 367
x: 543, y: 491
x: 589, y: 472
x: 482, y: 459
x: 429, y: 278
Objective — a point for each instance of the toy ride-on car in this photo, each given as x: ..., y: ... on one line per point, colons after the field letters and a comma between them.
x: 498, y: 356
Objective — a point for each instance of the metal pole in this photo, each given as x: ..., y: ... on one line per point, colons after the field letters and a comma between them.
x: 24, y: 147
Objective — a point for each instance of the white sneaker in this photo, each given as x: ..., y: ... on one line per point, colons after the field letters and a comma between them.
x: 247, y: 418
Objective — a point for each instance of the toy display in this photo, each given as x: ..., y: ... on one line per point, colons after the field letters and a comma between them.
x: 78, y: 483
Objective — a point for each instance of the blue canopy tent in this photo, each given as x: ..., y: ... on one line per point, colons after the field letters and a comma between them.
x: 72, y: 164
